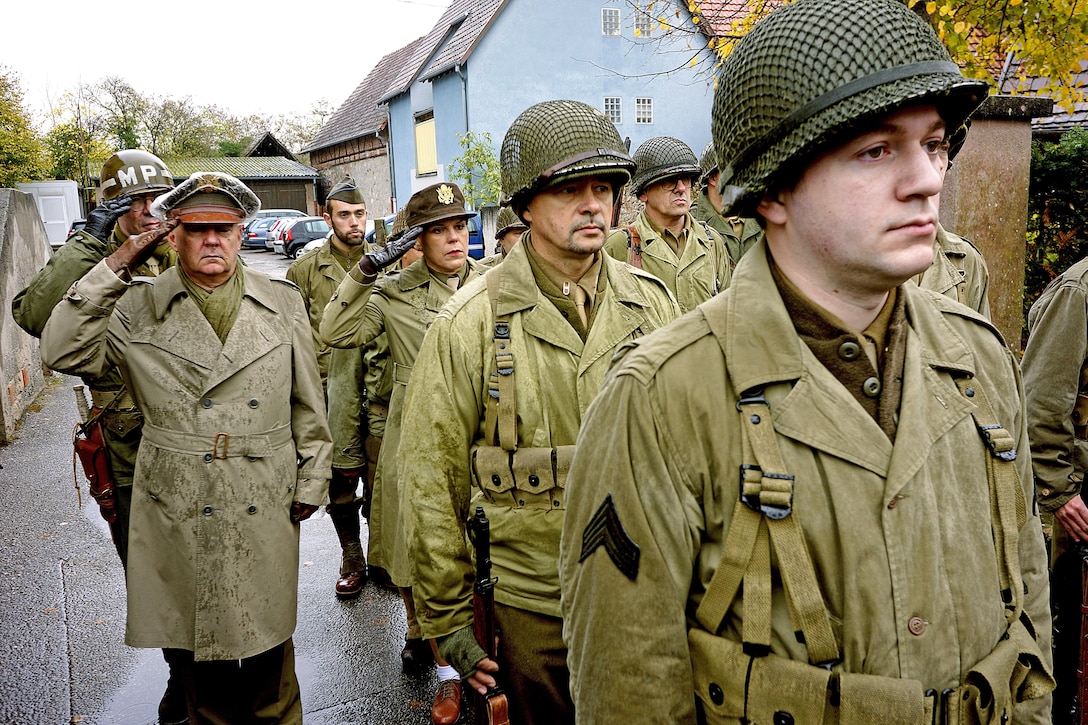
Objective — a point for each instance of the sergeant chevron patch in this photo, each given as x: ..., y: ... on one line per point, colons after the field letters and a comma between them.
x: 605, y: 528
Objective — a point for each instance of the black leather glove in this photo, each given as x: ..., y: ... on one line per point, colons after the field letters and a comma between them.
x: 101, y: 220
x: 395, y: 248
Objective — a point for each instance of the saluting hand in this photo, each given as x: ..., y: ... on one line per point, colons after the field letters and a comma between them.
x: 395, y: 248
x: 138, y: 248
x: 101, y: 220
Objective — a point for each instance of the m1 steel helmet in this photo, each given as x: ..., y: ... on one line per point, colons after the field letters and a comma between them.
x: 134, y: 171
x: 557, y: 141
x: 508, y: 221
x: 661, y: 157
x: 814, y: 72
x: 708, y: 162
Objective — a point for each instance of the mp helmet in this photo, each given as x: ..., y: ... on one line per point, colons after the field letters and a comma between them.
x: 661, y: 157
x: 556, y: 141
x: 134, y: 171
x: 813, y: 73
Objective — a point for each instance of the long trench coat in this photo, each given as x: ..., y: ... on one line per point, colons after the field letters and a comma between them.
x: 556, y: 376
x: 899, y: 533
x: 402, y: 304
x: 234, y: 433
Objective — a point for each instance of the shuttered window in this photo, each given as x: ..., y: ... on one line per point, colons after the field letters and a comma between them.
x: 426, y: 150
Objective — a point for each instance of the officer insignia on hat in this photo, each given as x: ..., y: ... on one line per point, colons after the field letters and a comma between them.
x: 605, y: 528
x: 445, y: 194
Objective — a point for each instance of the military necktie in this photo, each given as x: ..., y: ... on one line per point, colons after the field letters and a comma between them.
x: 453, y: 281
x: 578, y: 296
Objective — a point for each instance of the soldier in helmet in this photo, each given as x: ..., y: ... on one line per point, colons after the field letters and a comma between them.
x: 129, y: 181
x: 401, y: 305
x: 738, y: 233
x: 817, y: 508
x: 550, y: 317
x: 507, y: 233
x: 666, y: 240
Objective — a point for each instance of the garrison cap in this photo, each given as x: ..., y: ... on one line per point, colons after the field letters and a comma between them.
x: 815, y: 72
x: 435, y: 203
x: 207, y: 197
x: 346, y: 191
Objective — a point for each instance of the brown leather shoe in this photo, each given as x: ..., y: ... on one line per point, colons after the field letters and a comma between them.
x: 350, y: 584
x: 447, y: 703
x: 416, y: 654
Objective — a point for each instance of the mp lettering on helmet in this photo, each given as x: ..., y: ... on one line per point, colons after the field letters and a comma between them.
x: 128, y: 177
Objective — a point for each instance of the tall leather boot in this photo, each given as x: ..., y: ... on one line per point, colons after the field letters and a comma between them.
x: 345, y: 519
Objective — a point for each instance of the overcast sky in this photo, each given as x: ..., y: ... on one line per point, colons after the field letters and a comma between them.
x: 244, y: 56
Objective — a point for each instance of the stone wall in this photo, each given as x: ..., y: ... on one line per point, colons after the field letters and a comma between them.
x: 24, y: 249
x: 985, y: 200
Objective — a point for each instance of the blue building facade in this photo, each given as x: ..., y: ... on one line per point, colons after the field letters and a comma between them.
x: 490, y: 60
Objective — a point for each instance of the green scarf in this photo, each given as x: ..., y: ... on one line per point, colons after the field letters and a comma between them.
x: 220, y: 306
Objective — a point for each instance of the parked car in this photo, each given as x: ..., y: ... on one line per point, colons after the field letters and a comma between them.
x: 296, y: 232
x: 278, y: 212
x: 369, y: 236
x: 476, y: 248
x: 312, y: 245
x: 274, y: 231
x: 255, y: 233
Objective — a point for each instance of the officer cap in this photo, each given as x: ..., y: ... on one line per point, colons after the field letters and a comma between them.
x: 435, y: 203
x: 508, y: 221
x: 347, y: 192
x: 813, y: 73
x: 207, y: 197
x: 659, y: 158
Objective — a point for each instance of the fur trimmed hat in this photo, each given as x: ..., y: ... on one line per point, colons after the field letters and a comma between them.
x: 207, y: 197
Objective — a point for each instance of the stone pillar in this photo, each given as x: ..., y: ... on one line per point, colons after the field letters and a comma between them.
x: 24, y: 249
x: 985, y: 200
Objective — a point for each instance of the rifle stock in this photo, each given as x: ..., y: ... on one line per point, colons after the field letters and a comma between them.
x: 491, y: 709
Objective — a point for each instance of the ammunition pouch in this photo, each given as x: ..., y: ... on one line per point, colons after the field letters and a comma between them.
x: 531, y: 478
x: 90, y: 448
x: 733, y: 687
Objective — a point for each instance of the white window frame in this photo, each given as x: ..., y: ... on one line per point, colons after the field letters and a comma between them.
x: 611, y: 22
x: 644, y: 111
x: 613, y: 108
x: 644, y: 24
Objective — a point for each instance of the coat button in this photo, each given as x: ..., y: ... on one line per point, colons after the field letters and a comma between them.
x: 849, y: 350
x: 716, y: 694
x: 253, y: 402
x: 871, y: 387
x: 251, y: 509
x: 782, y: 718
x: 207, y: 510
x: 495, y: 480
x: 969, y: 392
x: 916, y: 625
x: 534, y: 480
x: 206, y: 402
x: 207, y: 457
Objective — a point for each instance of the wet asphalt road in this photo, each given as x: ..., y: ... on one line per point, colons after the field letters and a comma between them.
x: 62, y: 602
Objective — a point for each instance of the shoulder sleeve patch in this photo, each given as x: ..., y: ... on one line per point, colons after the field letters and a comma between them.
x: 605, y: 528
